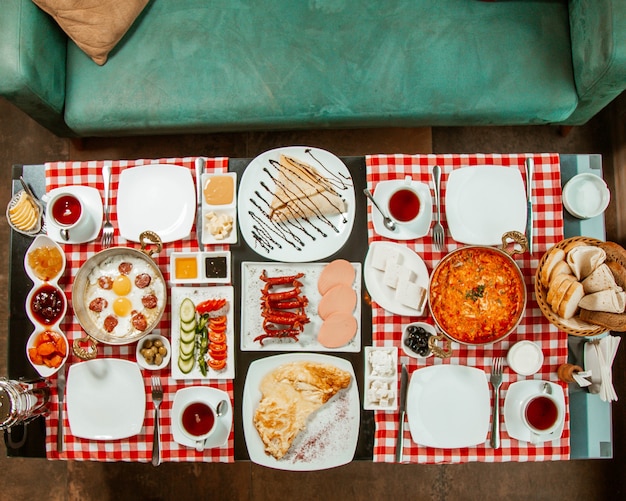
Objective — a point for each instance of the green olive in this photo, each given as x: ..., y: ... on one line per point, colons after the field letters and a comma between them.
x: 158, y: 343
x: 162, y: 351
x: 147, y: 343
x: 158, y: 359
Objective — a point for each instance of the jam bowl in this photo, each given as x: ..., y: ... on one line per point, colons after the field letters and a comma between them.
x: 44, y: 260
x: 46, y: 304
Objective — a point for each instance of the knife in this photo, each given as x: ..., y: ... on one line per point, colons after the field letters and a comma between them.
x: 61, y: 397
x: 404, y: 379
x: 200, y: 162
x: 530, y: 167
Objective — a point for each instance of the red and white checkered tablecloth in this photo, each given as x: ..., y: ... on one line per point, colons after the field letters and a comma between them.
x: 387, y: 327
x: 139, y: 447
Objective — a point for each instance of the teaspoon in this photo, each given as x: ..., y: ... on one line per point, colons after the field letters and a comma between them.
x: 389, y: 224
x: 221, y: 408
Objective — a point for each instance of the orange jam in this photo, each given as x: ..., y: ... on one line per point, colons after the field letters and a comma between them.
x: 219, y: 190
x: 186, y: 268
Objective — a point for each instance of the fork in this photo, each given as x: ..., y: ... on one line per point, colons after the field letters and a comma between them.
x: 439, y: 233
x: 157, y: 398
x: 496, y: 382
x: 107, y: 229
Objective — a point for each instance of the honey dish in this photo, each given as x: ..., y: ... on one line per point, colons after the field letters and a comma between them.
x: 200, y: 267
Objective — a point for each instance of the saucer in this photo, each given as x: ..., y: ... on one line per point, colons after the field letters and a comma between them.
x: 203, y: 394
x: 516, y: 395
x: 419, y: 228
x: 91, y: 201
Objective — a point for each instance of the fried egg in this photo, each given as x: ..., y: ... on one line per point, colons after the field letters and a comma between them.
x: 114, y: 281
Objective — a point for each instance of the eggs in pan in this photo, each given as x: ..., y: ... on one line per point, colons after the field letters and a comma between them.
x: 124, y: 296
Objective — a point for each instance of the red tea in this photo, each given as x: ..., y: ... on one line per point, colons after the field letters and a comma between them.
x: 198, y: 419
x: 541, y: 413
x: 404, y: 205
x: 66, y: 210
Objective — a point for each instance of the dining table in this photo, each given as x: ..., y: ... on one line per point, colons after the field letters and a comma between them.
x: 378, y: 429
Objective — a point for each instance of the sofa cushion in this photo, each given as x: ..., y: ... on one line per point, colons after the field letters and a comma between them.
x: 198, y: 66
x: 96, y: 26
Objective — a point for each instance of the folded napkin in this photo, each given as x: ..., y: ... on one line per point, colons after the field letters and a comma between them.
x: 599, y: 356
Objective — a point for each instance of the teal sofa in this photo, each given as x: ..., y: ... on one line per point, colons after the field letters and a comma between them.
x: 195, y: 66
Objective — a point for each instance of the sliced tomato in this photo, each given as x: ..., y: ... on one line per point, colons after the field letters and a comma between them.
x: 217, y: 328
x: 221, y: 320
x: 217, y: 347
x: 217, y: 337
x: 210, y: 305
x: 218, y: 355
x: 217, y: 365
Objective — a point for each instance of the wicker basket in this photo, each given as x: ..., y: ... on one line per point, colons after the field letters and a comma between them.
x: 575, y: 327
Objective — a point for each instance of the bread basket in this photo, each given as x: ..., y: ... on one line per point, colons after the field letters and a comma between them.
x: 575, y: 326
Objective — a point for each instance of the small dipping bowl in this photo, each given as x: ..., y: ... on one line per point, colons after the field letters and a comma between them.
x: 405, y: 335
x: 525, y: 358
x: 54, y: 350
x: 586, y: 195
x: 150, y: 338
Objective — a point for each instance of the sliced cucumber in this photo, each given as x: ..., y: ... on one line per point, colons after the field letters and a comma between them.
x: 185, y: 365
x: 186, y: 349
x: 187, y: 311
x: 188, y: 326
x: 187, y: 337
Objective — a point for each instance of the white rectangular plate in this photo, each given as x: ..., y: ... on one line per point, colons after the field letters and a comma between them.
x: 252, y: 321
x: 197, y: 295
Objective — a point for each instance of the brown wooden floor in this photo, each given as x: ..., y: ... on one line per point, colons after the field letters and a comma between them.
x: 23, y: 141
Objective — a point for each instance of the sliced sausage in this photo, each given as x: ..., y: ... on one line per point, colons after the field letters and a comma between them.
x: 98, y: 304
x: 125, y: 267
x: 110, y: 323
x: 139, y: 321
x: 105, y: 283
x: 336, y: 272
x: 143, y: 280
x: 149, y: 301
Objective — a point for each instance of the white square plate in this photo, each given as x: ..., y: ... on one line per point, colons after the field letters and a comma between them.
x: 158, y: 197
x: 106, y: 399
x: 484, y: 202
x: 448, y: 406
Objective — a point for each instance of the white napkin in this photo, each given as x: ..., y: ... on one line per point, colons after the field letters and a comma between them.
x: 600, y: 356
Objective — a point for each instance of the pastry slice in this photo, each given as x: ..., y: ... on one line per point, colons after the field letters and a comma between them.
x: 290, y: 394
x: 301, y: 192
